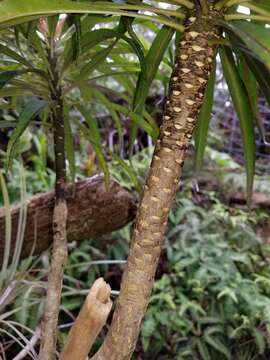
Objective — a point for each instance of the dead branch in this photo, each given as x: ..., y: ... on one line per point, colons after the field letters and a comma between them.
x: 93, y: 210
x: 89, y: 322
x: 53, y: 298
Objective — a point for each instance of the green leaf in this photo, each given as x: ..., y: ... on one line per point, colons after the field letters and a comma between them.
x: 17, y: 11
x: 244, y: 112
x: 256, y: 38
x: 218, y: 345
x: 88, y: 41
x: 7, y: 76
x: 262, y: 75
x: 250, y: 83
x: 31, y: 110
x: 76, y: 36
x: 88, y: 68
x: 138, y: 120
x: 203, y: 120
x: 262, y: 4
x: 260, y: 340
x: 203, y: 350
x: 152, y: 62
x: 103, y: 99
x: 34, y: 40
x: 95, y: 140
x: 259, y: 7
x: 130, y: 171
x: 52, y: 23
x: 14, y: 55
x: 69, y: 146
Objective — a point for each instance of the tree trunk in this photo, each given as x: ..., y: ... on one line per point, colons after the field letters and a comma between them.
x: 93, y: 211
x: 187, y: 85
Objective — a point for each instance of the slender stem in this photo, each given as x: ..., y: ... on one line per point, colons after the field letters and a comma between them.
x: 59, y: 253
x: 228, y: 3
x: 257, y: 9
x: 247, y: 17
x: 185, y: 3
x: 204, y: 7
x: 236, y: 2
x: 220, y: 4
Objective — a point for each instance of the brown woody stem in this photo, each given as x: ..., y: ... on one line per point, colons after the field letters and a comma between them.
x: 187, y: 85
x: 93, y: 212
x: 59, y: 253
x: 89, y: 322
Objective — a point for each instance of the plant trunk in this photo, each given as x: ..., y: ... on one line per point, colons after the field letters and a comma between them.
x: 60, y: 251
x: 188, y: 81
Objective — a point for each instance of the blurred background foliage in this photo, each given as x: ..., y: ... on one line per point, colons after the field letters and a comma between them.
x: 211, y: 296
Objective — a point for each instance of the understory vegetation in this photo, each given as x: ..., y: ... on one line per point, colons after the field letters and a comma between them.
x: 211, y: 295
x: 102, y: 101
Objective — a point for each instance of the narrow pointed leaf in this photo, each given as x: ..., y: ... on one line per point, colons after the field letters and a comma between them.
x: 218, y: 345
x: 152, y: 62
x: 52, y: 23
x: 262, y: 75
x: 256, y: 38
x: 244, y: 112
x: 203, y: 120
x: 32, y: 109
x: 153, y: 59
x: 103, y: 99
x: 251, y: 86
x: 88, y: 41
x: 263, y: 4
x: 69, y: 146
x: 76, y: 36
x: 87, y: 69
x: 14, y: 55
x: 260, y: 71
x: 16, y: 11
x: 130, y: 171
x: 95, y: 140
x: 7, y: 76
x: 138, y: 120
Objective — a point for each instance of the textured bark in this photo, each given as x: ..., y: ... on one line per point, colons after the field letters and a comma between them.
x: 187, y: 85
x: 60, y: 248
x: 89, y: 322
x: 93, y: 210
x: 55, y: 278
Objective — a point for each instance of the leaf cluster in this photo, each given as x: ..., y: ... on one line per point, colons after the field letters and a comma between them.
x: 213, y: 299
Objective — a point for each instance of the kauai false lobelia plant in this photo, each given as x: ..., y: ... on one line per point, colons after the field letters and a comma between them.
x: 206, y: 28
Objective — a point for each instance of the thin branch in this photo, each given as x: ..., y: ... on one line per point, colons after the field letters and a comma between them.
x: 52, y: 304
x: 204, y: 7
x: 247, y: 17
x: 228, y: 3
x: 60, y: 252
x: 231, y: 3
x: 25, y: 351
x: 89, y: 322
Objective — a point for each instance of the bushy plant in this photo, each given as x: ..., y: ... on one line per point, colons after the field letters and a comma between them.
x: 213, y: 301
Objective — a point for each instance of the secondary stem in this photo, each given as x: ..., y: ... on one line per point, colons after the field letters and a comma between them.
x: 59, y: 253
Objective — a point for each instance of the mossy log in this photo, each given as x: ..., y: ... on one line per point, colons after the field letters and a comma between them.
x: 93, y: 210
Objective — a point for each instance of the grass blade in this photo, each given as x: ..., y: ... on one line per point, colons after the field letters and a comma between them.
x: 32, y: 109
x: 244, y: 112
x: 203, y: 121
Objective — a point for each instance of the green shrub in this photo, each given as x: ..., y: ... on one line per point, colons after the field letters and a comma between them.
x: 213, y: 301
